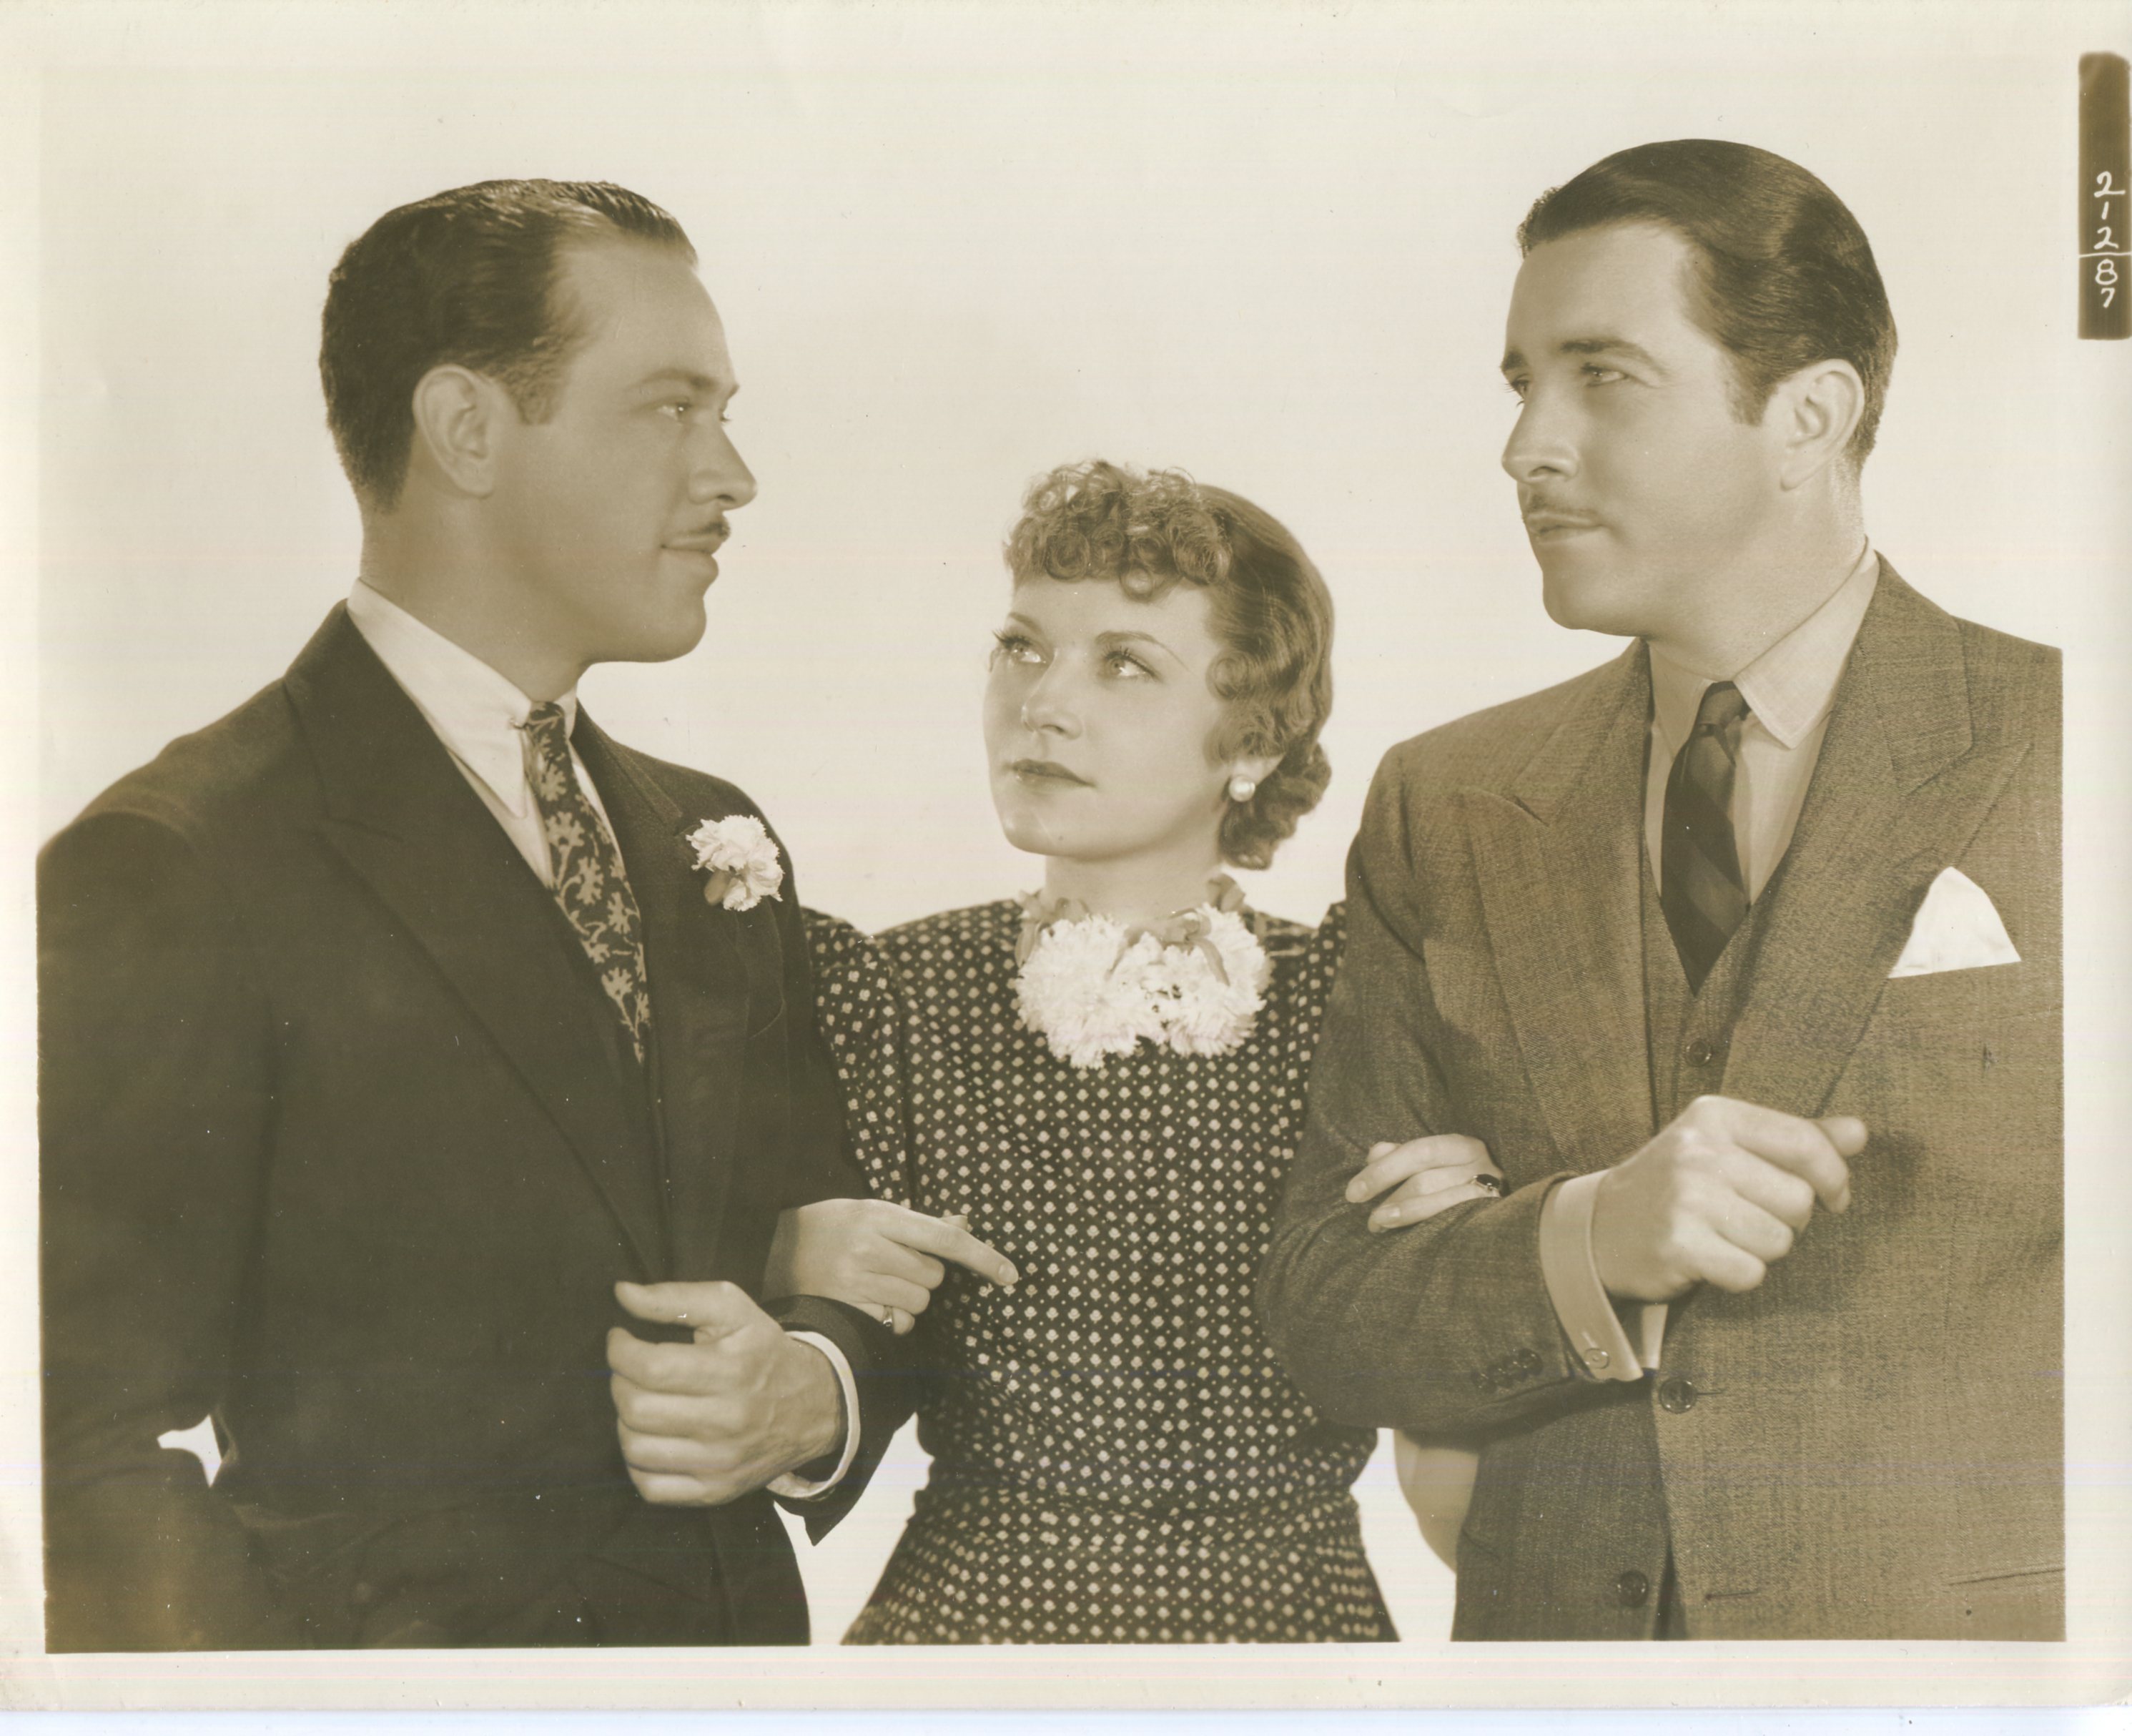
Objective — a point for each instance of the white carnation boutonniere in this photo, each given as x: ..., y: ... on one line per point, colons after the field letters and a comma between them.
x: 737, y: 854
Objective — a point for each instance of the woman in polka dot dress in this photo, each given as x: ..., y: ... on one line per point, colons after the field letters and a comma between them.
x: 1099, y: 1091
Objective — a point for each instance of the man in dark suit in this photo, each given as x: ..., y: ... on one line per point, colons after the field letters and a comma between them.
x: 1741, y: 952
x: 392, y: 1031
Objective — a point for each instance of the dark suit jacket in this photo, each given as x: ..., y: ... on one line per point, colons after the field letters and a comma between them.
x: 341, y: 1147
x: 1870, y: 1443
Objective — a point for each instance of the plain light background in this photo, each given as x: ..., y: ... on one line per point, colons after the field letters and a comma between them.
x: 955, y: 245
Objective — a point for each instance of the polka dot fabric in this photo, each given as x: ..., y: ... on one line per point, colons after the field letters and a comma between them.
x: 1116, y: 1456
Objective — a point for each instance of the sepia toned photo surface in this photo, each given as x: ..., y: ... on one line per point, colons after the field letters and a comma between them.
x: 851, y: 845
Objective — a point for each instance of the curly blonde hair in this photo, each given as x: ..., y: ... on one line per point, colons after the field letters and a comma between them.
x: 1267, y: 604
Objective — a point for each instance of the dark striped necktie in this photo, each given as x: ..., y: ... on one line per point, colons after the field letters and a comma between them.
x: 1703, y: 892
x: 589, y: 883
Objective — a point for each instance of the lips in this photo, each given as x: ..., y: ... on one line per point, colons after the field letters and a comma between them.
x: 1044, y: 771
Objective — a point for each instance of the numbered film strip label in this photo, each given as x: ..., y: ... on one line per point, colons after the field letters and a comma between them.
x: 2105, y: 206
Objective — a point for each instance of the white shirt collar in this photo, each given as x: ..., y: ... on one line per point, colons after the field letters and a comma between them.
x: 1792, y: 685
x: 478, y: 713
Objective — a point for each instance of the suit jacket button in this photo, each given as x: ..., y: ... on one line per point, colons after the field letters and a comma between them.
x: 1701, y: 1052
x: 1632, y: 1589
x: 1526, y: 1361
x: 1677, y: 1395
x: 1598, y: 1356
x: 1484, y: 1381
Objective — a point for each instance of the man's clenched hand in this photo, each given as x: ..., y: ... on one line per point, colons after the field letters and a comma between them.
x: 1717, y: 1197
x: 704, y: 1422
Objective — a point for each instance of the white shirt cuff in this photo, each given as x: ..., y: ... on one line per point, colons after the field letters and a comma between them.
x: 1596, y: 1331
x: 792, y: 1485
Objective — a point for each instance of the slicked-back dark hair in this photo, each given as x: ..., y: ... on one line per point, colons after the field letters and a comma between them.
x: 1783, y: 276
x: 470, y: 277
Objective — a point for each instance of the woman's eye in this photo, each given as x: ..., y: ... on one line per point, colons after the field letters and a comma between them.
x: 1517, y: 388
x: 1010, y: 647
x: 1125, y: 663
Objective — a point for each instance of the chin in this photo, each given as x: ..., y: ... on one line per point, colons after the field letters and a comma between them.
x: 1588, y: 602
x: 663, y: 642
x: 1022, y: 828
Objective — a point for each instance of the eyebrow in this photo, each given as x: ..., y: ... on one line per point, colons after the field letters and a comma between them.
x: 1594, y: 347
x: 1123, y: 637
x: 702, y: 382
x: 1136, y: 639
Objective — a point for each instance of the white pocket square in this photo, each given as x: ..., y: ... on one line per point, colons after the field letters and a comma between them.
x: 1957, y: 928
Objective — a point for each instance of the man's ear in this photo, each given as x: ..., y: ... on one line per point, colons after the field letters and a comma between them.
x: 458, y: 418
x: 1813, y: 414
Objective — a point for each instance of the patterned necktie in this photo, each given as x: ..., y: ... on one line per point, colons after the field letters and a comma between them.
x: 1704, y: 894
x: 589, y: 883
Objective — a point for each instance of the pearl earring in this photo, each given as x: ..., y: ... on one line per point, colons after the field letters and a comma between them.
x: 1242, y: 788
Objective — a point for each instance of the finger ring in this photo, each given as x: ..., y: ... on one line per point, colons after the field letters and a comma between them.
x: 1490, y: 1184
x: 887, y: 1314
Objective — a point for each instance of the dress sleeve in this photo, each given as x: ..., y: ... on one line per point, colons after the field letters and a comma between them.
x: 1321, y: 962
x: 861, y: 1008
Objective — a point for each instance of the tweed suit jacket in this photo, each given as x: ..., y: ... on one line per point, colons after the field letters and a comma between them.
x: 342, y: 1147
x: 1870, y: 1444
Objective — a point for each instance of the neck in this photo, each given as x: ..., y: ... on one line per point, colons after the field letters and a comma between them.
x: 1134, y: 889
x: 454, y: 586
x: 1763, y: 597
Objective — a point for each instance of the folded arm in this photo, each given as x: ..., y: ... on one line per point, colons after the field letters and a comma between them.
x: 833, y: 1382
x: 1493, y: 1314
x: 1445, y: 1328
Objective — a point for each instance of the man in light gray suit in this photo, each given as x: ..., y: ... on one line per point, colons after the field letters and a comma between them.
x: 1741, y: 952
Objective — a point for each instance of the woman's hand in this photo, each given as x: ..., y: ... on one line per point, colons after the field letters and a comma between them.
x: 1426, y: 1175
x: 884, y: 1259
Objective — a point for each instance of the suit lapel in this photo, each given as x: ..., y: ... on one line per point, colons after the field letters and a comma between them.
x: 1896, y: 796
x: 403, y: 818
x: 700, y: 993
x: 1559, y: 859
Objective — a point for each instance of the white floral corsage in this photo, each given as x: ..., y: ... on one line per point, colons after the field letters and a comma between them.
x: 737, y: 854
x: 1092, y: 986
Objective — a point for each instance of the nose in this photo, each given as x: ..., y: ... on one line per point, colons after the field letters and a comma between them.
x: 718, y: 476
x: 1541, y: 446
x: 1048, y: 708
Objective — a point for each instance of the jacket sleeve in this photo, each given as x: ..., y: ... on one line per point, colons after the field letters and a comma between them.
x: 881, y: 1363
x: 156, y: 1099
x: 1446, y: 1327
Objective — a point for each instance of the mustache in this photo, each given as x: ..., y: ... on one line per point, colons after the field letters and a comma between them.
x: 1542, y: 515
x: 710, y: 536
